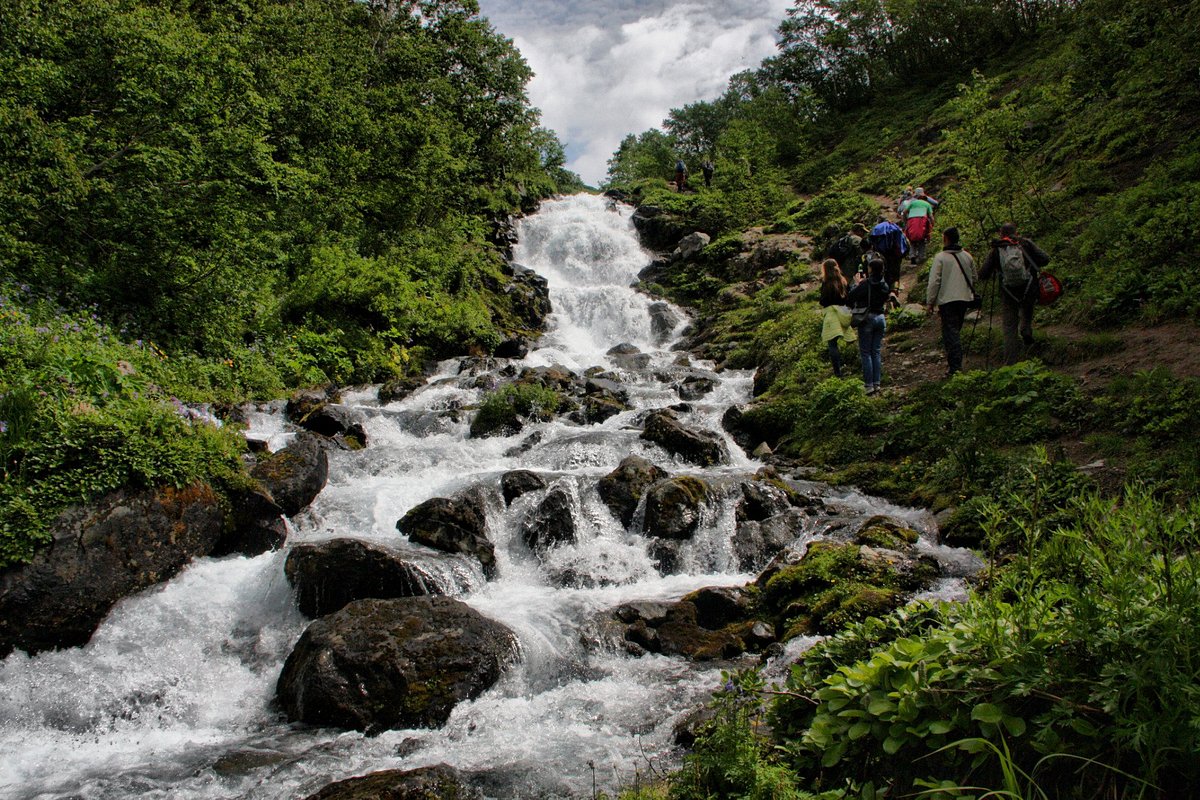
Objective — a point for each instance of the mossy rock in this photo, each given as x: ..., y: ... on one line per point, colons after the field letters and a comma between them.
x: 886, y: 532
x: 837, y: 584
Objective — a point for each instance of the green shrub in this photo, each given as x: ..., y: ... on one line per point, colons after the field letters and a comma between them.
x: 506, y: 410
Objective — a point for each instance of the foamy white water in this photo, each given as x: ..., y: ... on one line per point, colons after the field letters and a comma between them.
x: 173, y: 698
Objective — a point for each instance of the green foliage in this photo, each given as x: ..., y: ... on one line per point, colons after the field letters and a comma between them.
x: 978, y: 412
x: 505, y: 411
x: 83, y: 414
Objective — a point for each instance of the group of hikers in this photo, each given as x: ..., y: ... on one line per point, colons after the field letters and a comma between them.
x: 681, y: 172
x: 860, y: 281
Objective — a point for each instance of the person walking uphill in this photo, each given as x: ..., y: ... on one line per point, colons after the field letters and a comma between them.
x: 871, y: 293
x: 680, y: 175
x: 1017, y: 261
x: 918, y: 223
x: 952, y: 290
x: 835, y: 321
x: 888, y: 241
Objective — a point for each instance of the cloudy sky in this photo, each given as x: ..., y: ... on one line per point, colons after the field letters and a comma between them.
x: 606, y: 68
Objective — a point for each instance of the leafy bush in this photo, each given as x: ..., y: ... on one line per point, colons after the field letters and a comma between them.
x: 506, y: 410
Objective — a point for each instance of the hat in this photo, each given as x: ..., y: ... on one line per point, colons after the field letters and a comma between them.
x: 919, y: 192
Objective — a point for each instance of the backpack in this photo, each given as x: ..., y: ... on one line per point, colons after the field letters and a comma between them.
x: 1014, y: 271
x: 1050, y: 288
x: 842, y: 250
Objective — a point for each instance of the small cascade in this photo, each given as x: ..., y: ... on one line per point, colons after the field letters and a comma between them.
x: 174, y: 696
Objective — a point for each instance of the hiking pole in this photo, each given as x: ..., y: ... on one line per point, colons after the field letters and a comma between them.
x: 987, y: 363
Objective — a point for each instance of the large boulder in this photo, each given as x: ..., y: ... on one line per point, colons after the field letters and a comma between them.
x: 657, y: 230
x: 295, y: 475
x: 690, y: 246
x: 756, y: 543
x: 622, y: 489
x: 628, y: 357
x: 761, y: 500
x: 439, y: 782
x: 328, y: 575
x: 125, y: 542
x: 529, y: 294
x: 663, y: 321
x: 398, y: 389
x: 706, y: 625
x: 551, y: 523
x: 379, y: 665
x: 674, y: 507
x: 703, y: 448
x: 453, y: 525
x: 255, y: 524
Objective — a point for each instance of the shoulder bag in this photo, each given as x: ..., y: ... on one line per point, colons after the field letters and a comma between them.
x: 976, y: 301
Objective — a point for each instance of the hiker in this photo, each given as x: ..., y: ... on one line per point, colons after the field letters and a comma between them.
x: 918, y: 223
x: 888, y: 241
x: 680, y: 175
x: 848, y: 251
x: 952, y: 290
x: 905, y: 198
x: 871, y: 293
x: 707, y: 168
x: 1016, y: 260
x: 835, y: 325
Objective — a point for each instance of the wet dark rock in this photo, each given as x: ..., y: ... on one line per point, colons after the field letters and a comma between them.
x: 517, y: 347
x: 328, y: 575
x: 756, y: 543
x: 525, y: 445
x: 378, y: 665
x: 254, y: 525
x: 886, y: 532
x: 551, y: 523
x: 100, y: 553
x: 623, y: 488
x: 627, y: 356
x: 670, y: 628
x: 761, y: 500
x: 398, y: 389
x: 663, y: 321
x: 720, y: 606
x: 596, y: 409
x: 518, y: 482
x: 453, y: 525
x: 530, y: 297
x: 337, y: 422
x: 295, y: 475
x: 656, y: 271
x: 699, y: 447
x: 440, y: 782
x: 301, y: 405
x: 656, y: 229
x: 675, y: 506
x: 692, y: 725
x: 694, y: 387
x: 242, y: 762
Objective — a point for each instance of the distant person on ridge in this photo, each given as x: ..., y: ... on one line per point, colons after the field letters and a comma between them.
x: 888, y: 241
x: 1017, y: 261
x: 951, y: 289
x: 707, y: 168
x: 918, y: 223
x: 680, y: 175
x: 835, y: 322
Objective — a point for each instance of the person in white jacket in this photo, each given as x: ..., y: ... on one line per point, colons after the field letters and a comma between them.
x: 952, y: 291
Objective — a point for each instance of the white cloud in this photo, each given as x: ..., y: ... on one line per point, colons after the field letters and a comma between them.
x: 614, y: 67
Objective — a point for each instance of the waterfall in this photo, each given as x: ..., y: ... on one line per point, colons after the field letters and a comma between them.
x: 173, y: 697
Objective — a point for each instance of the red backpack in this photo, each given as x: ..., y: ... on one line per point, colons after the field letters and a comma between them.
x: 1050, y: 288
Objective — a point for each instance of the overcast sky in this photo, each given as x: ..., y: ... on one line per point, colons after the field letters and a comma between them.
x: 607, y: 68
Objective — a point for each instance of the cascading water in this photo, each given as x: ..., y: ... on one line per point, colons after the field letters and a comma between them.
x: 173, y: 697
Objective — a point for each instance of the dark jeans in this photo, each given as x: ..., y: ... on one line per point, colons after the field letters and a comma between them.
x: 953, y: 315
x: 870, y: 348
x: 835, y: 356
x: 1017, y: 317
